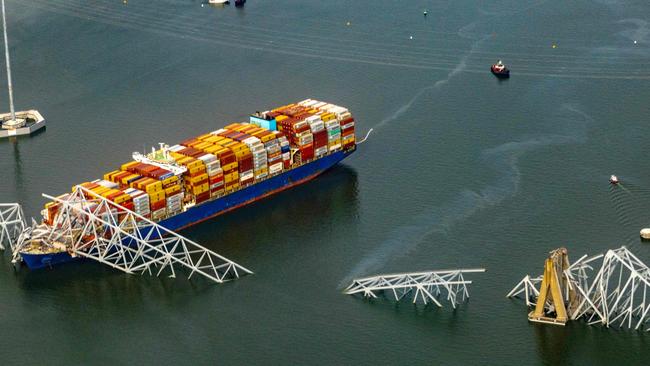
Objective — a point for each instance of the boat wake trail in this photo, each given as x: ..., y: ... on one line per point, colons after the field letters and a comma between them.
x: 462, y: 65
x: 440, y: 220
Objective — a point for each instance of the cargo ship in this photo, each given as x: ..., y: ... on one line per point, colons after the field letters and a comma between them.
x: 213, y: 173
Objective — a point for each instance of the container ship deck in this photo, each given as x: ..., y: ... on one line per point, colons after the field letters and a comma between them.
x: 216, y: 172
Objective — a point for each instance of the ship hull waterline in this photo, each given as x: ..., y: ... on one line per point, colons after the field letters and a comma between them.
x: 210, y: 209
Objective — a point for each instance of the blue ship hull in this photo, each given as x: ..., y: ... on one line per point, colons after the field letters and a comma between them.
x: 209, y: 209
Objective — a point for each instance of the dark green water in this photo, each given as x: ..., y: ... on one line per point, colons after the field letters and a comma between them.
x: 461, y: 171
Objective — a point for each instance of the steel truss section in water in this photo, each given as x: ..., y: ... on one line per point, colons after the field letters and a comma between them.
x: 93, y: 227
x: 618, y: 294
x: 427, y: 285
x: 12, y: 224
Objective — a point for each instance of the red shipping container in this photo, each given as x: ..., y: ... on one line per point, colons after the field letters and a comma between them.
x: 188, y: 142
x: 246, y: 163
x: 215, y: 179
x: 286, y: 163
x: 128, y: 205
x: 196, y: 184
x: 346, y: 121
x: 202, y: 197
x: 227, y: 157
x: 307, y: 152
x: 347, y: 133
x: 156, y: 174
x: 320, y: 138
x: 158, y: 205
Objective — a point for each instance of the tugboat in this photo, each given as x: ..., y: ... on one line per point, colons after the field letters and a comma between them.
x: 500, y: 70
x: 613, y: 179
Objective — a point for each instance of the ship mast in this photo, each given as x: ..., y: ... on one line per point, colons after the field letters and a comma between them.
x: 11, y: 92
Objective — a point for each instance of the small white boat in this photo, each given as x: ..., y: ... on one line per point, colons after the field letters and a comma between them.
x: 645, y: 234
x: 218, y: 2
x: 613, y: 179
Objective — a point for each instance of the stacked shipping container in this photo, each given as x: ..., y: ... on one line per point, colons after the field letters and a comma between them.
x: 222, y: 161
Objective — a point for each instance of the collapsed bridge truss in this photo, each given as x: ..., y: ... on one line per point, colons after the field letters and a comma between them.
x: 618, y: 294
x: 427, y: 285
x: 91, y: 226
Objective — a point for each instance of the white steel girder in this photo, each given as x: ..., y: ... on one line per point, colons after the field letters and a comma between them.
x: 12, y: 224
x: 93, y: 227
x: 618, y: 294
x: 427, y: 285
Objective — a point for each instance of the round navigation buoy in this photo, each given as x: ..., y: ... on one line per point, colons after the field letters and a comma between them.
x: 348, y: 23
x: 410, y: 37
x: 645, y: 234
x: 425, y: 13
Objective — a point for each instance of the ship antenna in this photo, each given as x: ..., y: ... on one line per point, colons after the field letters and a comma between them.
x: 11, y: 92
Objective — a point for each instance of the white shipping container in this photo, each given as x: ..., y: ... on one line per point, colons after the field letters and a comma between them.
x: 208, y: 158
x: 107, y: 184
x: 246, y: 175
x: 261, y: 176
x: 218, y: 131
x: 214, y: 172
x: 335, y: 147
x: 321, y: 151
x: 159, y: 214
x: 274, y: 159
x: 275, y: 168
x: 251, y: 140
x: 286, y: 156
x: 176, y: 148
x: 216, y: 185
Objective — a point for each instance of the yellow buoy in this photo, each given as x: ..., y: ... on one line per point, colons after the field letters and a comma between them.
x: 554, y: 46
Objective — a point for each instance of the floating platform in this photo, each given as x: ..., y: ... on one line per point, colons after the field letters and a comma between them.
x: 26, y: 123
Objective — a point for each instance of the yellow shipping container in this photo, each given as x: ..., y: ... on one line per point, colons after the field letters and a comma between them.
x: 204, y: 136
x: 213, y: 139
x: 154, y: 186
x: 232, y: 187
x: 280, y: 118
x: 171, y: 190
x: 202, y: 146
x: 122, y: 198
x: 126, y: 179
x: 198, y: 178
x: 99, y: 190
x: 200, y: 189
x: 170, y: 180
x: 230, y: 166
x: 196, y: 170
x: 268, y: 137
x: 194, y: 164
x: 261, y: 171
x: 232, y: 126
x: 241, y: 153
x: 327, y: 116
x: 156, y: 196
x: 109, y: 192
x: 213, y: 149
x: 227, y: 178
x: 126, y: 166
x: 109, y: 176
